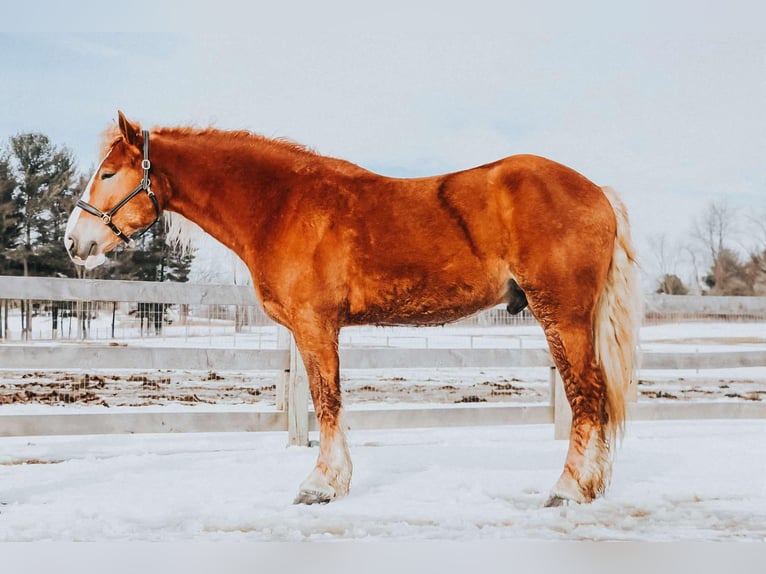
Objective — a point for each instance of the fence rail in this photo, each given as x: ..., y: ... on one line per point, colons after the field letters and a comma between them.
x: 60, y: 289
x: 39, y: 356
x: 295, y: 416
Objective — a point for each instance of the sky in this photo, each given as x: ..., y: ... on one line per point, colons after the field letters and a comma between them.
x: 662, y: 100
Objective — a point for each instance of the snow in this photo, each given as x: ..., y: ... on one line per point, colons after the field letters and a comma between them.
x: 672, y: 481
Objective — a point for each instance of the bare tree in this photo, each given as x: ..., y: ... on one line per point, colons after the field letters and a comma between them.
x: 756, y: 266
x: 695, y: 282
x: 714, y: 230
x: 667, y: 257
x: 664, y: 254
x: 757, y: 225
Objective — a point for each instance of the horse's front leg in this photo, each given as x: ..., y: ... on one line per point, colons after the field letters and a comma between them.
x: 331, y: 477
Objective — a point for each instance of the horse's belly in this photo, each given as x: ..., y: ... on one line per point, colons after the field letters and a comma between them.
x: 411, y: 303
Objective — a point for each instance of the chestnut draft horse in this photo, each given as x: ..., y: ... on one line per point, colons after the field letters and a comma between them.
x: 330, y: 244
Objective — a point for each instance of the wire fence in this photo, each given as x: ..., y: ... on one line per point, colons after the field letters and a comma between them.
x: 236, y: 325
x: 52, y: 309
x: 125, y: 321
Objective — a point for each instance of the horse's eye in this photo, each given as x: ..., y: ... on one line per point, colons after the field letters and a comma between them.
x: 106, y: 175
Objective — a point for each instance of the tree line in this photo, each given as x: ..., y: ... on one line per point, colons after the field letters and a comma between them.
x: 39, y: 187
x: 725, y: 254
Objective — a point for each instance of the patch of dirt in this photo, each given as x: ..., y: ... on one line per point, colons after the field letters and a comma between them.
x: 471, y: 399
x: 29, y: 461
x: 152, y: 388
x: 658, y: 395
x: 133, y: 389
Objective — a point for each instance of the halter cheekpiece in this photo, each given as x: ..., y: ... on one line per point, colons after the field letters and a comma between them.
x: 145, y: 185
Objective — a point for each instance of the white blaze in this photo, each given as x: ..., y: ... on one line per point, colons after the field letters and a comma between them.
x: 92, y: 260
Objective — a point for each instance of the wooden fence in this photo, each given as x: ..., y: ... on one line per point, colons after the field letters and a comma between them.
x: 293, y: 413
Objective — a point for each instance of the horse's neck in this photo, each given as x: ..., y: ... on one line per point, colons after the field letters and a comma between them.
x: 226, y: 192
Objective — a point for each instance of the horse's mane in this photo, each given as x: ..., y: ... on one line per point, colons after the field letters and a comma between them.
x: 112, y: 134
x: 239, y: 136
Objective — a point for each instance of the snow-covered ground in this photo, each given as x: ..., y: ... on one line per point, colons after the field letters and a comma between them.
x: 672, y: 481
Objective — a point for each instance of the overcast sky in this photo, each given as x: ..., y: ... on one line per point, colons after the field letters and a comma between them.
x: 663, y: 101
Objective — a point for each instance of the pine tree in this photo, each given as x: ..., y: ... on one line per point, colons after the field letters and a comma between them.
x: 42, y: 197
x: 51, y: 257
x: 9, y: 218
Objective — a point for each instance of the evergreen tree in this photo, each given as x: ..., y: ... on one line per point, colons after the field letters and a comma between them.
x: 42, y: 197
x: 178, y: 265
x: 9, y: 218
x: 51, y: 257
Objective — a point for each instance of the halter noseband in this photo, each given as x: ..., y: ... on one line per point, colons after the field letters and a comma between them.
x: 145, y: 185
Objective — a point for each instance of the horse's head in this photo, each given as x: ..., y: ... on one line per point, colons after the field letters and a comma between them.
x: 117, y: 202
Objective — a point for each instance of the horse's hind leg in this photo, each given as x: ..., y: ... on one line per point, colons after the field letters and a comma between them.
x: 588, y: 465
x: 565, y: 300
x: 331, y: 477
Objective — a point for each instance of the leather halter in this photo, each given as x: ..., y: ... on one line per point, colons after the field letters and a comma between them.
x: 145, y: 185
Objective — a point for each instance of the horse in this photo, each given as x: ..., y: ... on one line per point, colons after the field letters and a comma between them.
x: 330, y: 244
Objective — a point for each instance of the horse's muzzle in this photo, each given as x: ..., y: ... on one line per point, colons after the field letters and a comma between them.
x: 85, y: 253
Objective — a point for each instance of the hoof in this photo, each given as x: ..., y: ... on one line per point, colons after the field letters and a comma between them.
x: 565, y: 492
x: 313, y: 497
x: 554, y: 501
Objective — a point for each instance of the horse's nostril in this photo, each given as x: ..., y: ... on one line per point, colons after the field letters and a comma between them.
x: 71, y: 245
x: 92, y: 248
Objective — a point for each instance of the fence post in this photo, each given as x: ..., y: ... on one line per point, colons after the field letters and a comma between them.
x: 284, y: 339
x: 297, y: 400
x: 562, y: 412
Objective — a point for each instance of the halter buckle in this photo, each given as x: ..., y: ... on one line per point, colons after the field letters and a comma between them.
x: 106, y: 219
x: 146, y: 164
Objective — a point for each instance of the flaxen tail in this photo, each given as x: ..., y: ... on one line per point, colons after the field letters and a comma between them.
x: 617, y: 321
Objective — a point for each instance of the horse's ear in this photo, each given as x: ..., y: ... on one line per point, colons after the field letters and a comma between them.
x: 130, y: 131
